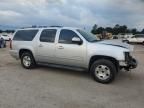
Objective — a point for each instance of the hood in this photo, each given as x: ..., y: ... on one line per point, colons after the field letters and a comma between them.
x: 117, y: 43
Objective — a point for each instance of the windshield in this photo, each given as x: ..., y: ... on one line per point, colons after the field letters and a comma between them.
x: 88, y: 36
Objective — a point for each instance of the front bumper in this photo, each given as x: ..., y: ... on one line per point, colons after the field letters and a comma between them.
x: 131, y: 63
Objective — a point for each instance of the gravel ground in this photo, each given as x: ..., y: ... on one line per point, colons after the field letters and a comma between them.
x: 46, y: 87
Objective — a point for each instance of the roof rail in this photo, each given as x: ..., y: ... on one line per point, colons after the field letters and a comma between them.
x: 40, y: 27
x: 55, y: 26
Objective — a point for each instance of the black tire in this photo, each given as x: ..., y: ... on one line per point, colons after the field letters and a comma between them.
x: 111, y: 71
x: 32, y: 63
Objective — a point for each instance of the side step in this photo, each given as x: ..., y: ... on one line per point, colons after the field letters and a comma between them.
x: 62, y: 66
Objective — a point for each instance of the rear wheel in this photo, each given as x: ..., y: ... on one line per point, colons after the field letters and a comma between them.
x: 103, y: 71
x: 27, y: 60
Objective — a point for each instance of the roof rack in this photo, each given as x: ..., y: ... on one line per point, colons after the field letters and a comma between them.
x: 40, y: 27
x: 55, y: 26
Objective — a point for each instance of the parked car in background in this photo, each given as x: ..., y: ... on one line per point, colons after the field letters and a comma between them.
x: 72, y: 47
x: 128, y: 35
x: 2, y: 42
x: 138, y: 38
x: 123, y: 36
x: 6, y: 37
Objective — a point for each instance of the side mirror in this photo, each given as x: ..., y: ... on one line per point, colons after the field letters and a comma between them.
x: 77, y: 40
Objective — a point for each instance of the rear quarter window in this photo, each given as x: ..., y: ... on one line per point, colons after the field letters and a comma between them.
x: 25, y: 35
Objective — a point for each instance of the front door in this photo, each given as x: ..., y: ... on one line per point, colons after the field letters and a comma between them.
x: 68, y: 53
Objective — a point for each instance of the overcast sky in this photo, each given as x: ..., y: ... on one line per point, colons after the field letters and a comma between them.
x: 79, y: 13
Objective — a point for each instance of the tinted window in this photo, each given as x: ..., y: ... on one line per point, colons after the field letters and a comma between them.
x: 66, y: 36
x: 25, y: 35
x: 48, y: 35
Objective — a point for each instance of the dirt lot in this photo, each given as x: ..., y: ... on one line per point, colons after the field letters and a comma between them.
x: 46, y: 87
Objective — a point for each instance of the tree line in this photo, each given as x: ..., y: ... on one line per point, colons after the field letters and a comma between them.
x: 115, y: 30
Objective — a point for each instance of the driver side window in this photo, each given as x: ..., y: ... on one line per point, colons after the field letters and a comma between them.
x: 66, y: 36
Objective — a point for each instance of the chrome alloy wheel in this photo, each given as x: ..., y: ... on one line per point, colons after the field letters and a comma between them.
x: 102, y: 72
x: 27, y: 61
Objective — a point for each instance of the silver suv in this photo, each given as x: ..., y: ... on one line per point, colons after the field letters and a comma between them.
x: 72, y: 47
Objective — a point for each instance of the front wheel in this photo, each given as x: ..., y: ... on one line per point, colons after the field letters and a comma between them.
x: 103, y: 71
x: 27, y: 60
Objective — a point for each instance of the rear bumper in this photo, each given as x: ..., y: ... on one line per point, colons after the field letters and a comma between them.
x: 14, y: 54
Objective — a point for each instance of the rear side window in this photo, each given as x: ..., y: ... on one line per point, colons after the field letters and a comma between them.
x: 25, y: 35
x: 48, y: 35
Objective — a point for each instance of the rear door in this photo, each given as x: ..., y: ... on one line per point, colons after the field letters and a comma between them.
x: 46, y: 46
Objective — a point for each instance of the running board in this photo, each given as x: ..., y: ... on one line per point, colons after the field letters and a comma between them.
x: 62, y: 66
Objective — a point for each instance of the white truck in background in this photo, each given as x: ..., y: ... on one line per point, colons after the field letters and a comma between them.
x: 138, y: 38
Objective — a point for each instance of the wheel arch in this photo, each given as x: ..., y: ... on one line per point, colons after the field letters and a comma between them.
x: 98, y: 57
x: 21, y: 51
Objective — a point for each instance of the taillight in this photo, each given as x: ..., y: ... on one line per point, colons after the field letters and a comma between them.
x: 11, y: 44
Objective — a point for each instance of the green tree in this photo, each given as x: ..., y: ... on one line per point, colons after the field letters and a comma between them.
x: 134, y: 31
x: 142, y: 31
x: 116, y: 29
x: 117, y: 26
x: 109, y: 29
x: 123, y: 29
x: 1, y: 31
x: 100, y: 30
x: 94, y: 29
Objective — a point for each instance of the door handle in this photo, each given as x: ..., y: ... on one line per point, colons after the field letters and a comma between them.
x: 40, y: 45
x: 60, y: 47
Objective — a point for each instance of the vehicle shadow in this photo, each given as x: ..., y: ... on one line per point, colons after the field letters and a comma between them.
x: 121, y: 77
